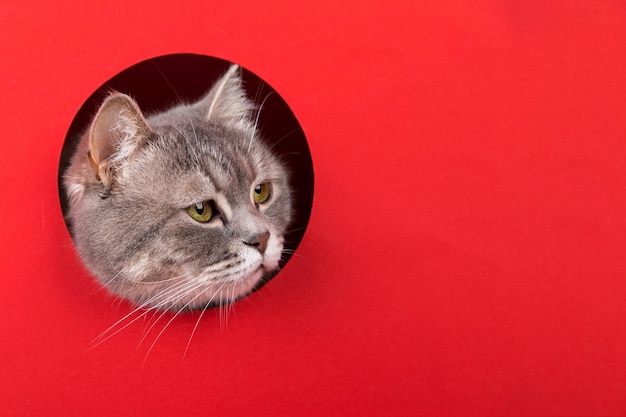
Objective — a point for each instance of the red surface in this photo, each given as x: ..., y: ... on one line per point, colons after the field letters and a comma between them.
x: 466, y: 250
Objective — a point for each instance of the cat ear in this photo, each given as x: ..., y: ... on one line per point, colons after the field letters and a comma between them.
x: 117, y: 129
x: 227, y: 101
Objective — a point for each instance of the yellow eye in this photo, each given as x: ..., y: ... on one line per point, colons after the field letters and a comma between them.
x: 262, y: 192
x: 202, y: 212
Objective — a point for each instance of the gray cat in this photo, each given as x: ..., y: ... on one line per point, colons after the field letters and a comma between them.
x: 181, y: 210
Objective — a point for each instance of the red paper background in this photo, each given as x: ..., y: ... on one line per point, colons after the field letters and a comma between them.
x: 466, y: 249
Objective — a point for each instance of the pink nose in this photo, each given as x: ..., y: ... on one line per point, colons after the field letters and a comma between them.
x: 260, y: 242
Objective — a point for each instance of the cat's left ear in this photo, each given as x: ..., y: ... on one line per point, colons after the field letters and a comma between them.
x: 117, y: 130
x: 227, y: 100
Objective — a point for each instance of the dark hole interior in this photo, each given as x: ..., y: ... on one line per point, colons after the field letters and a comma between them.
x: 161, y: 82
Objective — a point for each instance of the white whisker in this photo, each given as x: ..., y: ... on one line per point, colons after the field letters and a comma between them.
x: 109, y: 333
x: 172, y: 319
x: 276, y: 142
x: 195, y: 327
x: 256, y: 122
x: 146, y: 304
x: 204, y: 309
x: 186, y: 290
x: 180, y: 100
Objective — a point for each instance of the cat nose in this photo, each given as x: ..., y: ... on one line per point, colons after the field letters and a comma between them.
x: 259, y: 241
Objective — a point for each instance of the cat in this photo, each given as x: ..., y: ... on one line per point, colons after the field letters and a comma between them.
x: 181, y: 210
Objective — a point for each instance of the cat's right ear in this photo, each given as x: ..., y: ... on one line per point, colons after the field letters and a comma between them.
x: 116, y: 131
x: 226, y: 102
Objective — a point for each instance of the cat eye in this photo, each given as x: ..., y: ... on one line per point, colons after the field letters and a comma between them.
x: 262, y: 192
x: 201, y: 212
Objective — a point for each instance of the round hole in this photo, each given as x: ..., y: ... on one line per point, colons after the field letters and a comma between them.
x: 160, y: 83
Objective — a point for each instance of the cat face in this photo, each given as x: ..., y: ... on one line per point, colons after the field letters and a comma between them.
x: 183, y: 209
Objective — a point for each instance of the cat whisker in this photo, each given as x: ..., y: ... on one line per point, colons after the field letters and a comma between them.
x: 276, y: 142
x: 180, y: 99
x: 259, y: 88
x: 256, y: 122
x: 285, y: 256
x: 187, y: 289
x: 231, y: 299
x: 222, y: 313
x: 111, y: 331
x: 105, y: 335
x: 153, y: 319
x: 229, y: 305
x: 158, y: 335
x: 204, y: 309
x: 108, y: 333
x: 289, y: 154
x: 168, y: 297
x: 296, y: 229
x: 176, y: 314
x: 155, y: 300
x: 193, y: 331
x: 195, y: 327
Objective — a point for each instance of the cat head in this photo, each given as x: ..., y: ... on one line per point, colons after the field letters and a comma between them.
x: 182, y: 209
